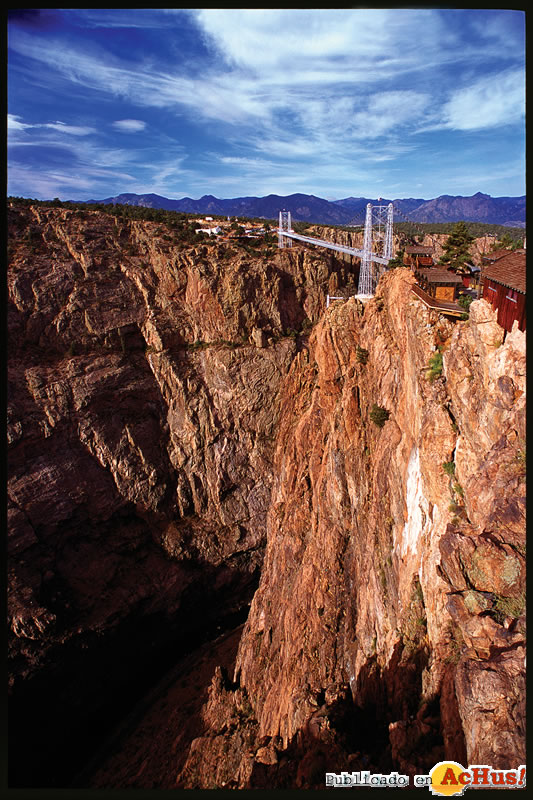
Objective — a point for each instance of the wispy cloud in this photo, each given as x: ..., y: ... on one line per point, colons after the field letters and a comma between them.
x: 92, y: 163
x: 129, y: 125
x: 309, y: 97
x: 50, y: 182
x: 308, y: 39
x: 14, y: 124
x: 212, y: 96
x: 70, y: 130
x: 493, y: 101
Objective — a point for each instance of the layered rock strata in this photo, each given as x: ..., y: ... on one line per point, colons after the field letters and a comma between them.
x: 143, y: 402
x: 390, y: 611
x: 168, y: 414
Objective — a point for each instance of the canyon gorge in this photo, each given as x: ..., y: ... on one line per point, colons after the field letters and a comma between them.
x: 211, y: 522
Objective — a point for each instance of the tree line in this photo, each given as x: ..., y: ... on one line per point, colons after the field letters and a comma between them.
x: 183, y: 222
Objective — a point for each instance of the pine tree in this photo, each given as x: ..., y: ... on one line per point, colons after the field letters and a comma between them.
x: 397, y: 261
x: 457, y: 247
x: 505, y: 242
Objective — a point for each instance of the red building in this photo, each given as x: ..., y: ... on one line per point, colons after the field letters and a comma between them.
x: 504, y: 287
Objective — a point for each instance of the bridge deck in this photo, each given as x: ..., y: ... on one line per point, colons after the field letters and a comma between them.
x: 352, y: 251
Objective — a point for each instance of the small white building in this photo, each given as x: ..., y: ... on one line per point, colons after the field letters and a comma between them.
x: 211, y: 231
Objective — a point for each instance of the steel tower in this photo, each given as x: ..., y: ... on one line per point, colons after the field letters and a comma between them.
x: 377, y: 241
x: 284, y: 225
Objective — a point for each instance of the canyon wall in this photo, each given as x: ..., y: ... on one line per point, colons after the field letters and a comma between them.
x: 389, y: 619
x: 143, y: 403
x: 173, y: 410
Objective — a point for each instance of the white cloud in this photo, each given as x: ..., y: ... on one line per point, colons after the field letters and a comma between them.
x: 14, y: 123
x: 28, y: 181
x: 387, y: 111
x: 219, y: 96
x: 501, y: 29
x: 286, y: 38
x: 129, y: 125
x: 70, y: 130
x: 490, y: 102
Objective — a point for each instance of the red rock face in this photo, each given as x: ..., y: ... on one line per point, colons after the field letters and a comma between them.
x: 144, y: 380
x: 384, y: 577
x: 153, y: 451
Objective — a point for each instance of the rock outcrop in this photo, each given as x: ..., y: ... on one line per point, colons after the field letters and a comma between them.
x: 390, y: 611
x: 170, y: 415
x: 142, y: 412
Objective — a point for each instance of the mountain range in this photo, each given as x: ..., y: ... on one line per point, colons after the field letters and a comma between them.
x: 509, y: 211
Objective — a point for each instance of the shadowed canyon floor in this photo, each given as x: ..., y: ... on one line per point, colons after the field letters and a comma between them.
x: 193, y: 444
x: 149, y: 748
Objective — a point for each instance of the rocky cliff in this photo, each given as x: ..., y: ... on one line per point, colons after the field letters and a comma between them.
x: 170, y: 417
x: 389, y: 617
x: 144, y: 379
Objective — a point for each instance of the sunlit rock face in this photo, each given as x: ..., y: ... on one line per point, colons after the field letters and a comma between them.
x: 174, y: 443
x: 392, y: 591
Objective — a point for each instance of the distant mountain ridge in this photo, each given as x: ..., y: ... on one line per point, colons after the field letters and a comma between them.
x: 509, y: 211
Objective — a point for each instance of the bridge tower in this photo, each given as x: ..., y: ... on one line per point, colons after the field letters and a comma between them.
x: 284, y: 225
x: 377, y: 241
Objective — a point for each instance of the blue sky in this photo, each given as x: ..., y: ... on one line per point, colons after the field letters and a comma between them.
x: 343, y: 102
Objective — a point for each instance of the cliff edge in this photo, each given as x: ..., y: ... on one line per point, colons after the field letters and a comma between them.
x: 192, y: 434
x: 389, y: 619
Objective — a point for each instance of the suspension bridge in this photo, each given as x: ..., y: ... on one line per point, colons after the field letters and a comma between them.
x: 378, y: 235
x: 377, y: 249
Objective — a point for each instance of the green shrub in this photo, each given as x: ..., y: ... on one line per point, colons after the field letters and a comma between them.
x: 507, y: 607
x: 434, y: 366
x: 379, y: 415
x: 465, y: 301
x: 449, y: 468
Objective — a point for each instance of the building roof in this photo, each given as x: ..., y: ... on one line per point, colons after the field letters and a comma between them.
x: 434, y: 275
x: 495, y: 254
x: 509, y: 270
x: 414, y: 249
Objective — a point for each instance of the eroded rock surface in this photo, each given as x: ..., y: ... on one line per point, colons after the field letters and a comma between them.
x: 143, y: 403
x: 166, y: 422
x: 392, y: 591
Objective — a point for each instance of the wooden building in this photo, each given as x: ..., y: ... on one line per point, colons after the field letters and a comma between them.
x: 471, y: 277
x: 418, y: 256
x: 504, y: 287
x: 442, y: 284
